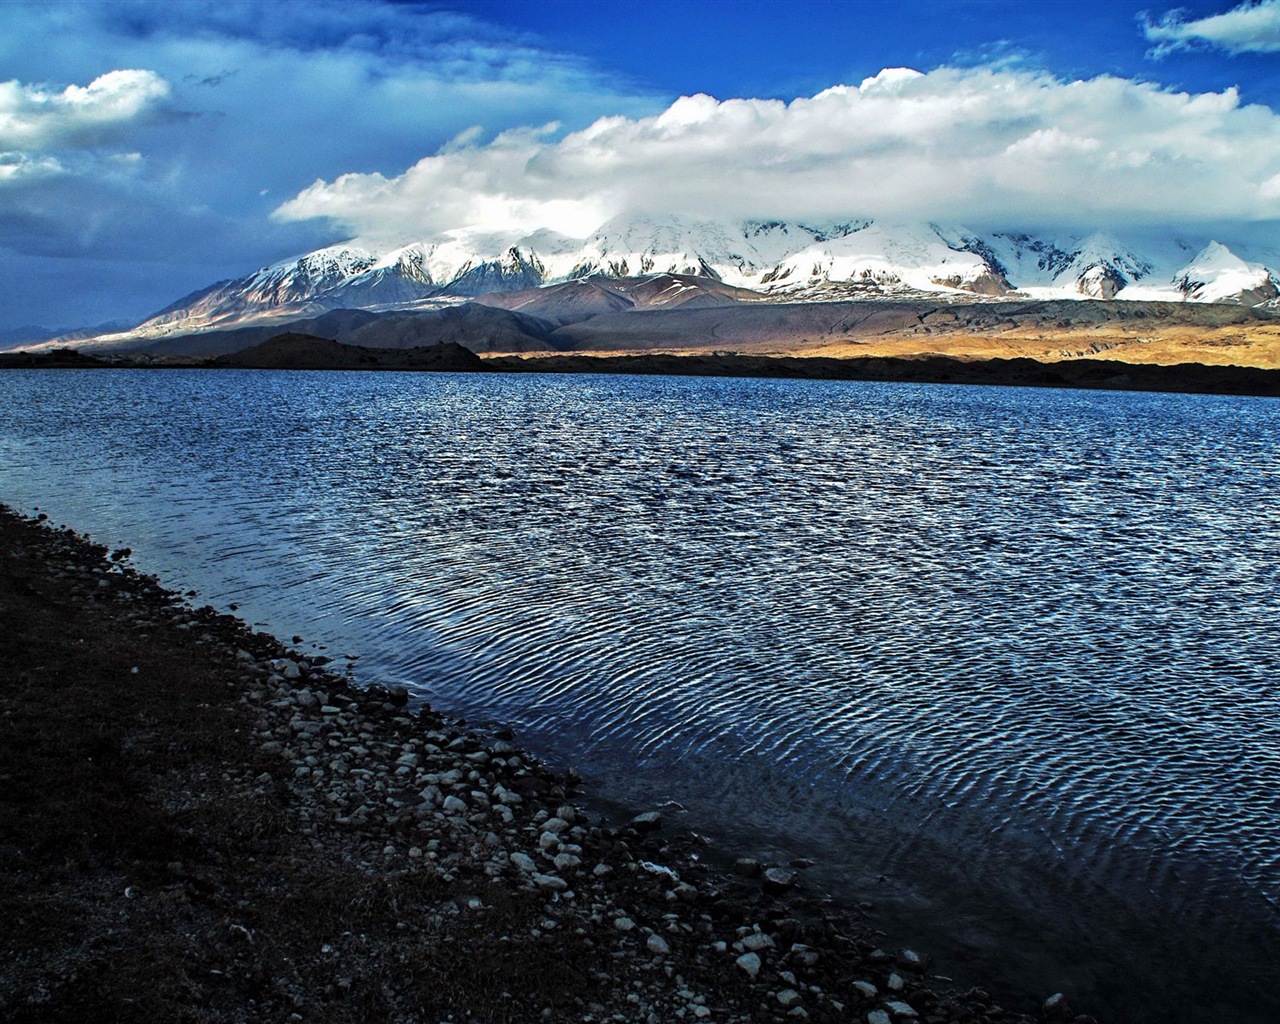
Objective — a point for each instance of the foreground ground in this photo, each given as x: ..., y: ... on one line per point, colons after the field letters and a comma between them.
x: 197, y: 824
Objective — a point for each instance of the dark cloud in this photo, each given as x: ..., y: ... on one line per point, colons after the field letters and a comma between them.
x: 209, y: 80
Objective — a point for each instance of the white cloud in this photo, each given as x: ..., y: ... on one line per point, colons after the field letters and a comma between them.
x: 35, y: 119
x: 15, y: 166
x: 1249, y: 28
x: 990, y: 147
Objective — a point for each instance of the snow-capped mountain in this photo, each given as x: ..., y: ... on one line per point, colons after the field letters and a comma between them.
x: 1097, y: 266
x: 1219, y: 275
x: 781, y: 261
x: 917, y: 257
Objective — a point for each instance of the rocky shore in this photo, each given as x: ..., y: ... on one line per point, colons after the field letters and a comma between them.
x: 200, y: 823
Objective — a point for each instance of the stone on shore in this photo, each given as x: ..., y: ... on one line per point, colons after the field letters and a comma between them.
x: 749, y: 962
x: 1056, y: 1008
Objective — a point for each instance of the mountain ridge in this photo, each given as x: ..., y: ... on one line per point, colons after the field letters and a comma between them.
x: 766, y: 261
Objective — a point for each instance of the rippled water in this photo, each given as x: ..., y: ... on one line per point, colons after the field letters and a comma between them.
x: 1007, y: 660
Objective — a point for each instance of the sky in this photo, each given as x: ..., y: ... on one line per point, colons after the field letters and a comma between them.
x: 149, y: 149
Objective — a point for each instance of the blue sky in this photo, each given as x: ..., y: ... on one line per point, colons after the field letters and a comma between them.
x: 148, y: 149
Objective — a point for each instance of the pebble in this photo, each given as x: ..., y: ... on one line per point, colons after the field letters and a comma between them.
x: 657, y: 944
x: 911, y: 960
x: 749, y: 962
x: 900, y: 1009
x: 777, y: 881
x: 757, y: 940
x: 789, y: 997
x: 877, y: 1017
x: 748, y: 867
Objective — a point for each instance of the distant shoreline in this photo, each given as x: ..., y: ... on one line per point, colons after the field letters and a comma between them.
x: 1094, y: 374
x: 1089, y: 374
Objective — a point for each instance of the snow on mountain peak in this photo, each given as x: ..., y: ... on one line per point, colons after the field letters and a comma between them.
x: 1216, y: 274
x: 911, y: 256
x: 856, y: 257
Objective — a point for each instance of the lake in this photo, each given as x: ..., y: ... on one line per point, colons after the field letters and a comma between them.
x: 1004, y: 661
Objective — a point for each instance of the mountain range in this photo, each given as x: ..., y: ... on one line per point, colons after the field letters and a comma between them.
x: 753, y: 261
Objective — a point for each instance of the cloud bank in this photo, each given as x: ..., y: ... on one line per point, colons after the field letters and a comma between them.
x: 991, y: 147
x: 44, y: 132
x: 34, y: 117
x: 1249, y: 28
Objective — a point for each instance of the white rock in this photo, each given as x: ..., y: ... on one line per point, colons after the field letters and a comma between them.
x: 877, y: 1017
x: 788, y: 997
x: 866, y: 989
x: 550, y: 883
x: 452, y: 805
x: 757, y: 940
x: 657, y: 944
x: 555, y: 825
x: 624, y: 924
x: 895, y: 983
x: 900, y: 1009
x: 749, y: 962
x: 524, y: 862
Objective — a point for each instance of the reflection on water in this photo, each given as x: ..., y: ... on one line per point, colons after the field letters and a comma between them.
x: 1017, y: 650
